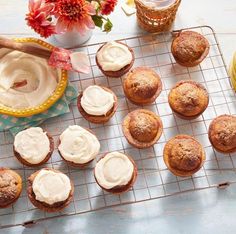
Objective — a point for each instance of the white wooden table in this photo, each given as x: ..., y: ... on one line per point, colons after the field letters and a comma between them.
x: 206, y: 211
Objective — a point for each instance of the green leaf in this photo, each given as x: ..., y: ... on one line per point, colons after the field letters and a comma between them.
x: 108, y: 26
x: 97, y: 20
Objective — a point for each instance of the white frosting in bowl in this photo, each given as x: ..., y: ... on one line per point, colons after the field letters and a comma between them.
x: 51, y: 187
x: 25, y: 80
x: 32, y: 144
x: 113, y: 56
x: 78, y: 145
x: 115, y: 169
x: 96, y: 100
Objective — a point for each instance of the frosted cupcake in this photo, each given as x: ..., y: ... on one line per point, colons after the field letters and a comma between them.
x: 50, y: 190
x: 33, y: 146
x: 97, y: 104
x: 115, y: 172
x: 115, y: 59
x: 78, y: 146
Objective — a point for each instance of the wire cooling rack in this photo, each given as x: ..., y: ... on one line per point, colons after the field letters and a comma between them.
x: 154, y: 180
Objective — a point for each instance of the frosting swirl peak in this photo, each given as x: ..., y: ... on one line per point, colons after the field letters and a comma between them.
x: 32, y: 144
x: 115, y: 169
x: 113, y: 56
x: 96, y: 100
x: 78, y: 145
x: 51, y: 187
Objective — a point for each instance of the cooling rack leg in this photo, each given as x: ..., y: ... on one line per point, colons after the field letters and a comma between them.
x: 223, y: 185
x: 29, y: 223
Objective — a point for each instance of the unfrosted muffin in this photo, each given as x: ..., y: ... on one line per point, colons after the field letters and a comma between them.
x: 189, y: 48
x: 10, y: 187
x: 142, y: 85
x: 97, y: 104
x: 183, y: 155
x: 33, y: 146
x: 188, y: 99
x: 222, y: 133
x: 114, y: 58
x: 142, y: 128
x: 115, y: 172
x: 78, y: 146
x: 50, y: 190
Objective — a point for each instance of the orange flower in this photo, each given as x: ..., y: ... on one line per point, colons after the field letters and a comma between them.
x: 74, y: 15
x: 107, y: 6
x: 50, y: 1
x: 38, y: 18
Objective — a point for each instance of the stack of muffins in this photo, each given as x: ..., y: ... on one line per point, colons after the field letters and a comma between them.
x: 115, y: 172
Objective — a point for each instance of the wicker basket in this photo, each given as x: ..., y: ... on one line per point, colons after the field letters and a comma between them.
x: 153, y: 20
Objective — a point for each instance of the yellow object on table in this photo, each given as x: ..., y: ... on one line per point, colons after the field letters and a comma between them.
x: 232, y: 71
x: 128, y: 7
x: 130, y: 3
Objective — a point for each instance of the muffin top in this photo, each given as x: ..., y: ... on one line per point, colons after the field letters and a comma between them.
x: 142, y: 128
x: 10, y: 186
x: 183, y: 155
x: 188, y: 98
x: 222, y: 133
x: 189, y: 48
x: 142, y: 85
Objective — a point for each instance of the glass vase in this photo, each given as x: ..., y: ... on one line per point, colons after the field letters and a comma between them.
x: 72, y: 39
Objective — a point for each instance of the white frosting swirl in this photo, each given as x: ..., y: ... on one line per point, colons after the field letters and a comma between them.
x: 51, y: 187
x: 78, y: 145
x: 25, y: 80
x: 96, y: 100
x: 32, y: 144
x: 115, y: 169
x: 113, y: 56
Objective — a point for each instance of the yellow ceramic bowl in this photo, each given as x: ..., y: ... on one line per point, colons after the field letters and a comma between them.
x: 61, y: 86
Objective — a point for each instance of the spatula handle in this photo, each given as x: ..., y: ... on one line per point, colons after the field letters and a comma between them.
x: 26, y: 48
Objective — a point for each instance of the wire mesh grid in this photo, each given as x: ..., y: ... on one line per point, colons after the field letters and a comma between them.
x: 154, y: 180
